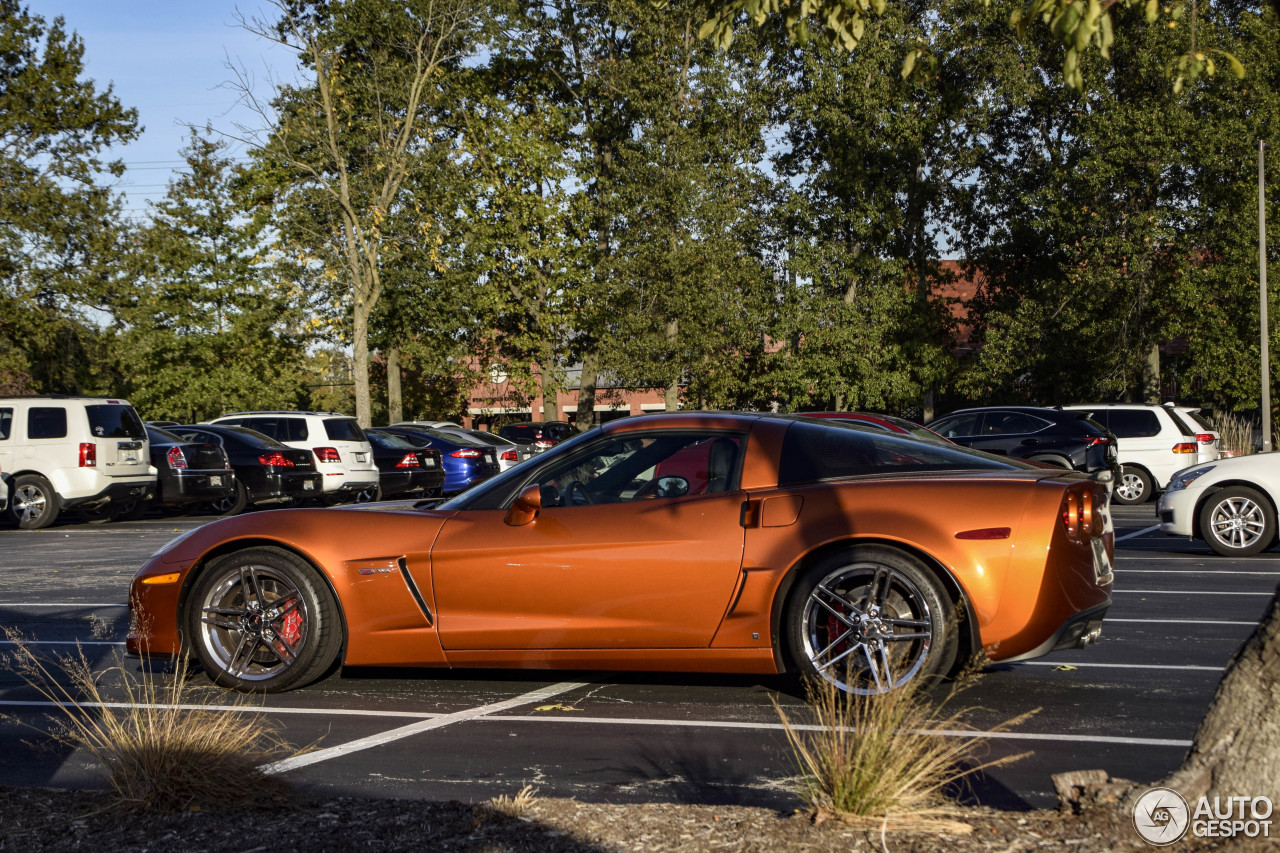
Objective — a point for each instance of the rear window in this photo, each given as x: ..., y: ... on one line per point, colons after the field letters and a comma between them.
x: 388, y: 442
x: 343, y: 429
x: 1179, y: 419
x: 46, y: 422
x: 114, y: 421
x: 523, y: 432
x: 1132, y: 423
x: 812, y: 452
x: 1197, y: 418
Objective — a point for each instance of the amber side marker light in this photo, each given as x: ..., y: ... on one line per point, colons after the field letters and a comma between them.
x: 172, y: 577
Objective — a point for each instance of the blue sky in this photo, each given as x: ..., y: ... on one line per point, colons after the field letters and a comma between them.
x: 169, y: 60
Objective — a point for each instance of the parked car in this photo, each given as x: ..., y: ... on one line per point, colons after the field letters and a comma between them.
x: 888, y: 423
x: 343, y: 453
x: 1208, y: 436
x: 190, y: 472
x: 807, y: 545
x: 267, y: 472
x: 466, y: 462
x: 1050, y: 436
x: 403, y: 469
x: 4, y: 492
x: 61, y: 453
x: 1152, y: 442
x: 1229, y: 503
x: 510, y: 453
x: 541, y: 434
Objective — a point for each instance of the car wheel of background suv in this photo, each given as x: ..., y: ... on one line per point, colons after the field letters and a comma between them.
x: 33, y: 505
x: 1135, y: 486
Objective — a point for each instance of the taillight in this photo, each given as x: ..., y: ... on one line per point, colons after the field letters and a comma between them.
x: 466, y: 453
x: 88, y: 454
x: 1204, y: 437
x: 1077, y: 513
x: 1099, y: 440
x: 276, y: 459
x: 510, y: 456
x: 327, y: 454
x: 1185, y: 447
x: 410, y: 460
x: 177, y: 459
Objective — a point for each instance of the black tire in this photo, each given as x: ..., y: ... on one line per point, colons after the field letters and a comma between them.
x: 836, y: 627
x: 33, y: 504
x: 233, y: 505
x: 1238, y: 521
x: 370, y: 495
x: 1134, y: 487
x: 131, y: 510
x: 263, y: 620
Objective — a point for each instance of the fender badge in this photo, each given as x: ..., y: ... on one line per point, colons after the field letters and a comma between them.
x: 373, y: 571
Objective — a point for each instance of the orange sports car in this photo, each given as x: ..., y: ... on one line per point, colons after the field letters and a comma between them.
x: 697, y: 542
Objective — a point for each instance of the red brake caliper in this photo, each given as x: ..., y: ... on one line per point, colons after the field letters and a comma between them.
x: 291, y: 627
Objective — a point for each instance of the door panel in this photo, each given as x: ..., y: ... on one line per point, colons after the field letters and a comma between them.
x: 643, y: 574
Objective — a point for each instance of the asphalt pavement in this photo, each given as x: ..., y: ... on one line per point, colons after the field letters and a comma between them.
x: 1128, y: 705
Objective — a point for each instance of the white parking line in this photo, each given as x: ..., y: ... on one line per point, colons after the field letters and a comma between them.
x: 1137, y: 533
x: 614, y: 721
x: 1182, y: 621
x: 1179, y: 667
x: 416, y: 728
x: 57, y: 604
x: 1194, y: 572
x: 1187, y: 592
x: 62, y: 643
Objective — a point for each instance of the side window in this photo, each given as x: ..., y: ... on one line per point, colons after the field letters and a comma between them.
x: 645, y: 467
x: 46, y: 422
x: 6, y: 423
x: 1011, y: 423
x: 1134, y: 423
x: 292, y: 429
x: 266, y: 426
x: 958, y: 425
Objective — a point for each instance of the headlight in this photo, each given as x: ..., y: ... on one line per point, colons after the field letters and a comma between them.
x: 1184, y: 478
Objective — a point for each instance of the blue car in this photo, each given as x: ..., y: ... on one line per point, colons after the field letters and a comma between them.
x: 466, y: 461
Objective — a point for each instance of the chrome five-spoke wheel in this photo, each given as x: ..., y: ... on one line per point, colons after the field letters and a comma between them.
x: 1238, y: 521
x: 263, y: 620
x: 871, y: 620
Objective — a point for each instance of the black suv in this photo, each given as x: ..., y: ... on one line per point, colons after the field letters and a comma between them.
x: 541, y: 434
x: 1051, y: 436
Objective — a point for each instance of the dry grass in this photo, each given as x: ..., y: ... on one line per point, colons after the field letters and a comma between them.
x: 513, y: 806
x: 163, y: 746
x: 873, y: 759
x: 1236, y: 431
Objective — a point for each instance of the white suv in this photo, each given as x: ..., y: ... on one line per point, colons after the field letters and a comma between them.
x: 1153, y: 442
x: 342, y: 450
x: 58, y: 452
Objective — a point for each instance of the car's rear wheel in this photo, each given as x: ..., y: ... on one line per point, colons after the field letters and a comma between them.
x: 871, y: 619
x: 232, y: 504
x: 370, y: 495
x: 1135, y: 486
x: 33, y: 505
x: 1238, y: 521
x: 263, y: 620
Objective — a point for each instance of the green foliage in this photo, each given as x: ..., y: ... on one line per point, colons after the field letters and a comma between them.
x: 211, y: 325
x: 58, y: 227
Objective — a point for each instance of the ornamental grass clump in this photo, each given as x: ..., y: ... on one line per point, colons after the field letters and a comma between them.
x: 163, y: 745
x: 890, y: 759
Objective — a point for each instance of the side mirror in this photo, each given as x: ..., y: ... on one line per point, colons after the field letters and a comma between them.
x: 525, y: 507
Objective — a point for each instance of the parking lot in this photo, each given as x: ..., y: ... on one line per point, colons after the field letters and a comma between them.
x: 1128, y: 705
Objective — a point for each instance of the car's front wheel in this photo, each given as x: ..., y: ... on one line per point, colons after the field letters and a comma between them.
x: 871, y: 619
x: 33, y: 504
x: 1238, y: 521
x: 263, y: 620
x: 233, y: 504
x: 1135, y: 486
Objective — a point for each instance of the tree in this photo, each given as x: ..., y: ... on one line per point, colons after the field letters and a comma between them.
x: 212, y: 325
x: 57, y: 225
x: 343, y: 142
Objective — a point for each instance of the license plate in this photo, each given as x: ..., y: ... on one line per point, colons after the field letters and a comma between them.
x: 492, y: 459
x: 215, y: 480
x: 431, y: 463
x: 129, y: 456
x: 308, y: 486
x: 1101, y: 565
x: 359, y: 457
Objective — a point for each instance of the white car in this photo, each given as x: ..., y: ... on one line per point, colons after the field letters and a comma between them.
x: 342, y: 451
x: 1229, y: 503
x: 4, y: 493
x: 60, y: 452
x: 1152, y: 443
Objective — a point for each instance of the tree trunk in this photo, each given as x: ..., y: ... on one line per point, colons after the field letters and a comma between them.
x: 395, y: 401
x: 360, y: 360
x: 1236, y: 750
x: 587, y: 391
x: 1151, y: 375
x: 672, y: 397
x: 550, y: 402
